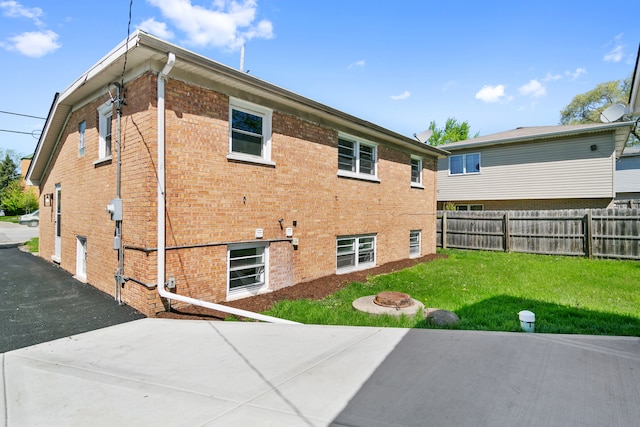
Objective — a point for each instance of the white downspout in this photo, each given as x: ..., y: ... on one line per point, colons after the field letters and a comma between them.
x: 171, y: 60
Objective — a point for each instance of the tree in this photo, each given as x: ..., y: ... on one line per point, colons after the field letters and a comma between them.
x: 453, y: 131
x: 8, y: 172
x: 586, y: 107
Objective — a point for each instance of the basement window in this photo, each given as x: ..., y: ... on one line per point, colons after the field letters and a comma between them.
x: 355, y: 253
x: 414, y: 243
x: 247, y: 267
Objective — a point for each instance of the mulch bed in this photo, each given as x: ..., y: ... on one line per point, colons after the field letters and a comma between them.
x: 312, y: 290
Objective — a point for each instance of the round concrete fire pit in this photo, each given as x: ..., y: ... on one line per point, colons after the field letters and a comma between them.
x: 393, y: 303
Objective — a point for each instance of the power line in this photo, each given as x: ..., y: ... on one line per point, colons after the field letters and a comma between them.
x: 23, y: 115
x: 32, y: 133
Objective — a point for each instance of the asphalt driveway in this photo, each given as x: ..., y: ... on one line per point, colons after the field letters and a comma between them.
x: 40, y: 302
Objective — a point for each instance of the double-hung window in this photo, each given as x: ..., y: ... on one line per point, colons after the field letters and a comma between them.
x: 105, y: 114
x: 357, y: 159
x: 82, y: 127
x: 247, y: 266
x: 249, y: 132
x: 414, y: 243
x: 464, y: 164
x: 355, y: 253
x: 416, y: 172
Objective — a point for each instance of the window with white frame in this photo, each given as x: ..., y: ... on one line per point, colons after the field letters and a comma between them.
x: 247, y: 266
x: 82, y: 127
x: 414, y: 243
x: 249, y: 132
x: 356, y: 158
x: 416, y: 171
x: 464, y: 164
x: 105, y: 113
x: 355, y: 253
x: 469, y: 207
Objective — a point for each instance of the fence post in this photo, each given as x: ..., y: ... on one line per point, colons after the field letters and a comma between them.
x: 589, y: 234
x: 507, y: 236
x: 444, y: 229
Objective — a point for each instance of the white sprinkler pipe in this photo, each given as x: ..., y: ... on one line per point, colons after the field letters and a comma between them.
x: 171, y: 60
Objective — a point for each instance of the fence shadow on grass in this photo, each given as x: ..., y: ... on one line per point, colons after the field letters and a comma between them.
x: 500, y: 313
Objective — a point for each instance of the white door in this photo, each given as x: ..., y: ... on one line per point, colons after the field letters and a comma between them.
x: 57, y: 224
x: 81, y: 258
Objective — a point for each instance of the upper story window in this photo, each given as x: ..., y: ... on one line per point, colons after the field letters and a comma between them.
x: 249, y: 132
x: 416, y: 172
x: 357, y: 159
x: 105, y: 113
x: 82, y: 127
x: 464, y: 164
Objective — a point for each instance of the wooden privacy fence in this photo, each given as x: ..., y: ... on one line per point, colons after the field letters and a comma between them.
x: 606, y: 233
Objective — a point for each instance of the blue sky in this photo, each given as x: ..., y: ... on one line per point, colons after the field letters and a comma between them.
x: 399, y: 64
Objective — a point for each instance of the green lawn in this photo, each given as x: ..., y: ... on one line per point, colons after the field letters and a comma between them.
x: 14, y: 218
x: 488, y: 289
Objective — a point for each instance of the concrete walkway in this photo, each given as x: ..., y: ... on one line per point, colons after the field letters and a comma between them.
x: 164, y: 372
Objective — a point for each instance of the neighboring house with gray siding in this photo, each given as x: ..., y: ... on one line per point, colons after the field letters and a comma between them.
x: 546, y: 167
x: 628, y: 178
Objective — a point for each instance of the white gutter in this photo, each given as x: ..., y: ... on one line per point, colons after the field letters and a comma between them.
x: 171, y: 60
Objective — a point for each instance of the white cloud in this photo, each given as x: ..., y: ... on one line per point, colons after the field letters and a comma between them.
x: 156, y: 28
x: 551, y: 77
x: 13, y: 9
x: 616, y: 53
x: 357, y: 64
x: 449, y: 85
x: 490, y: 93
x: 404, y: 95
x: 534, y: 88
x: 227, y: 24
x: 577, y: 73
x: 34, y: 44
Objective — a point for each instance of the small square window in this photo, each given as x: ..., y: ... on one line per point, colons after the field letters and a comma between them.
x: 249, y: 132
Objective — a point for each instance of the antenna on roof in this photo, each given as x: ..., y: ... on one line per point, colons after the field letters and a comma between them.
x: 242, y: 58
x: 423, y: 136
x: 612, y: 113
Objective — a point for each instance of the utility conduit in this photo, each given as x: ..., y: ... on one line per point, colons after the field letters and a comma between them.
x: 171, y: 60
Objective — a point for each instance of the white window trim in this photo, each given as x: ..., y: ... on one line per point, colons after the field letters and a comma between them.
x: 419, y: 183
x: 357, y: 174
x: 358, y: 266
x: 419, y: 244
x: 104, y: 111
x: 267, y: 117
x: 464, y: 164
x: 247, y: 291
x: 469, y: 206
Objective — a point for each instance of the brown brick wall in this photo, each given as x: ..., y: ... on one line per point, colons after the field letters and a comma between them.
x: 212, y: 200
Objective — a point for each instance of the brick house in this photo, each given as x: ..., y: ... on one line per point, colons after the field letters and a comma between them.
x: 229, y: 186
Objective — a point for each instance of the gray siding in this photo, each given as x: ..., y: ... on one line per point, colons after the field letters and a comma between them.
x: 628, y: 174
x: 547, y: 169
